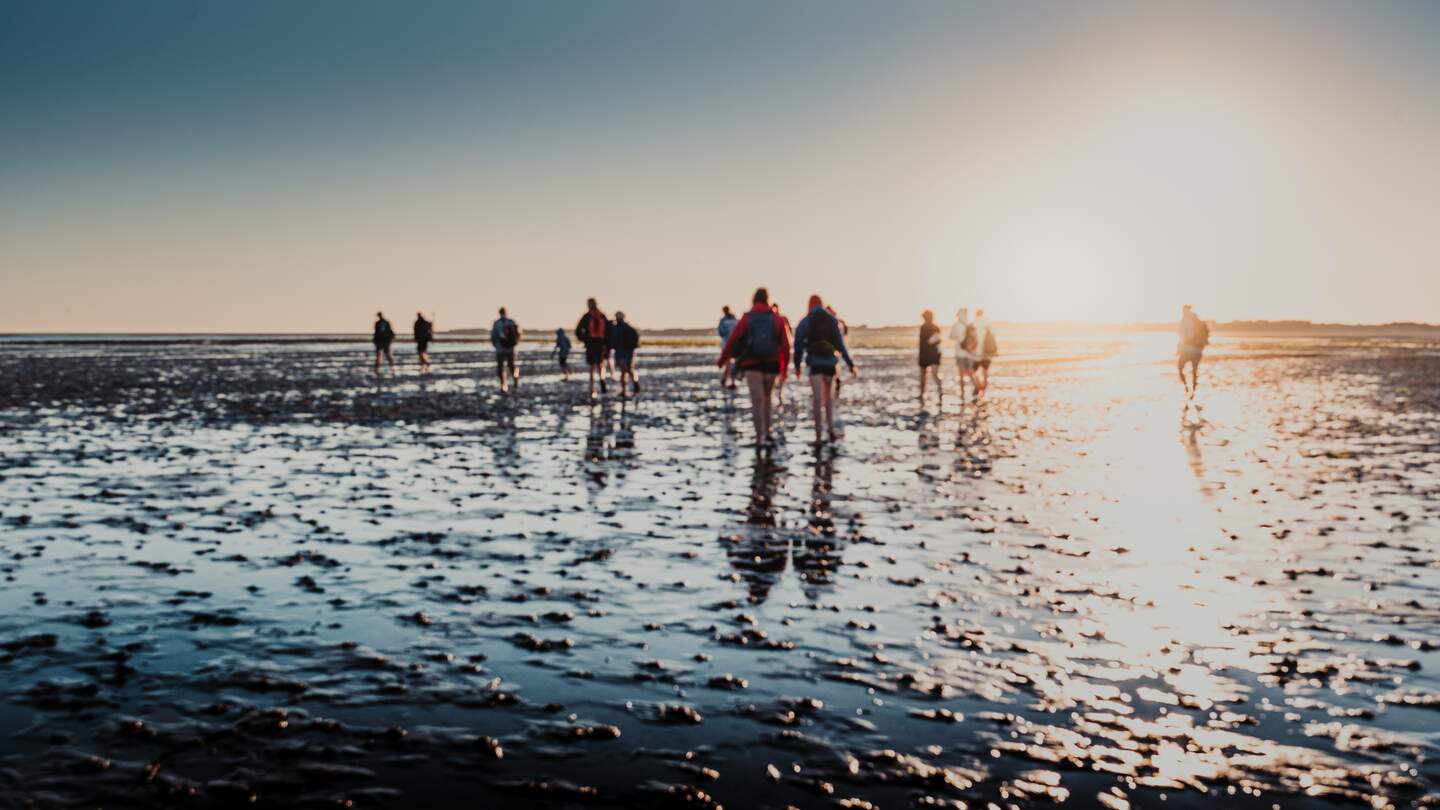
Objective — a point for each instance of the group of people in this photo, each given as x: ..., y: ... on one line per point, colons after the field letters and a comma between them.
x: 384, y: 335
x: 975, y: 348
x: 760, y: 345
x: 610, y: 345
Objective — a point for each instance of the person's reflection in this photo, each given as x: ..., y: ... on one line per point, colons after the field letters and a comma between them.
x: 758, y: 552
x: 596, y: 470
x: 973, y: 452
x: 505, y: 446
x: 817, y: 552
x: 1191, y: 424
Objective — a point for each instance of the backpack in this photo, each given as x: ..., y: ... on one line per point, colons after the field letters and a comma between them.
x: 383, y: 331
x: 823, y: 337
x: 1202, y: 334
x: 761, y: 342
x: 992, y: 346
x: 968, y: 344
x: 630, y: 338
x: 510, y: 335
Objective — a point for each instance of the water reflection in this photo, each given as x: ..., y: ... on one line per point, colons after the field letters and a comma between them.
x: 759, y: 551
x: 817, y: 552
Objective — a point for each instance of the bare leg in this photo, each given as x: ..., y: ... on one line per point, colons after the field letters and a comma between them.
x: 922, y: 386
x: 771, y: 381
x: 819, y: 399
x: 829, y: 402
x: 390, y: 358
x: 1194, y: 377
x: 939, y: 389
x: 759, y: 405
x: 514, y: 372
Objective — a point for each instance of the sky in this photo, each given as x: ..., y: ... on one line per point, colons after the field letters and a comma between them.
x: 189, y: 166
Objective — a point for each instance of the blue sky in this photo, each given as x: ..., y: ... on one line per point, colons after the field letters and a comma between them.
x: 296, y: 166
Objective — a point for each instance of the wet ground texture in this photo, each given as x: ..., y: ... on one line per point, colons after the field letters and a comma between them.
x: 258, y: 575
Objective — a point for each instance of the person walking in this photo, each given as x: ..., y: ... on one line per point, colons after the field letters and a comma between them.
x: 930, y: 355
x: 784, y: 367
x: 424, y: 332
x: 626, y: 341
x: 727, y: 325
x: 593, y: 331
x: 989, y: 348
x: 561, y: 352
x: 505, y: 336
x: 1194, y: 337
x: 382, y: 337
x: 820, y: 345
x: 967, y: 351
x: 761, y: 347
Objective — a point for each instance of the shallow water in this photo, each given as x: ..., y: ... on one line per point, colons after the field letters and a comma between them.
x: 258, y: 573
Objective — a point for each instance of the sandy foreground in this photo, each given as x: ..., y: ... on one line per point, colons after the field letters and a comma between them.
x: 256, y: 575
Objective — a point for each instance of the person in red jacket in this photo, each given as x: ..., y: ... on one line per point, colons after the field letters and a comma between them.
x: 760, y: 345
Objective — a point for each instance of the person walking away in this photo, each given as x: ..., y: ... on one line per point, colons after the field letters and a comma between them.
x: 626, y: 341
x: 727, y: 325
x: 1194, y: 337
x: 382, y: 337
x: 424, y: 333
x: 562, y: 352
x: 505, y: 336
x: 967, y: 351
x: 593, y: 332
x: 820, y: 345
x: 784, y: 367
x: 930, y: 355
x: 761, y: 348
x: 989, y: 347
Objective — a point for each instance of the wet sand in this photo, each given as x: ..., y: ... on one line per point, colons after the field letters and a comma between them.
x: 257, y: 575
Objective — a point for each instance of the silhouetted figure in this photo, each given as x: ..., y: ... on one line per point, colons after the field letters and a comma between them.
x: 727, y: 325
x: 625, y: 340
x: 505, y: 336
x: 424, y: 333
x: 593, y: 331
x: 561, y: 352
x: 989, y: 348
x: 820, y: 345
x: 967, y: 351
x: 930, y: 355
x: 1194, y: 337
x: 761, y: 345
x: 383, y: 336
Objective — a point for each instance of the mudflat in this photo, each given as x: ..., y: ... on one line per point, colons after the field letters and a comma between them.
x: 256, y: 574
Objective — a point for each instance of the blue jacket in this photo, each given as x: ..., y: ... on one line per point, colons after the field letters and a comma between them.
x: 802, y: 344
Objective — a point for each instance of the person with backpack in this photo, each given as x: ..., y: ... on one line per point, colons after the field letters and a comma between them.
x: 726, y: 326
x: 989, y: 348
x: 625, y: 340
x: 382, y: 337
x: 424, y: 333
x: 967, y: 351
x: 505, y: 336
x: 930, y: 341
x: 561, y: 352
x: 761, y: 348
x: 1194, y: 337
x: 820, y: 345
x: 593, y: 332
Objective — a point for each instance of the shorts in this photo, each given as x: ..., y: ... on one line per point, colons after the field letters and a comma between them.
x: 965, y: 363
x: 505, y: 356
x: 825, y: 371
x: 1190, y: 354
x: 983, y: 363
x: 928, y: 360
x: 564, y: 358
x: 771, y: 367
x: 624, y: 361
x: 382, y: 345
x: 594, y: 353
x: 422, y: 346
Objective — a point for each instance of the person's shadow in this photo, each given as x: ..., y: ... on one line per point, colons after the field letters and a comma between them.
x: 1192, y: 426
